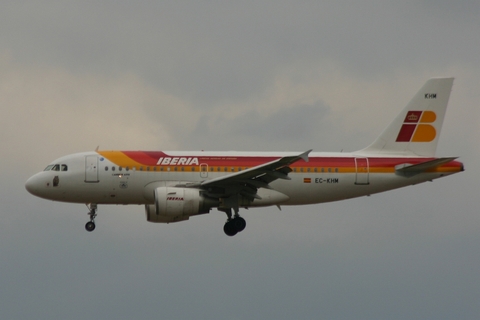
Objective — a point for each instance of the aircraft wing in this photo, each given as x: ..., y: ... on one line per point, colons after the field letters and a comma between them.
x: 247, y: 182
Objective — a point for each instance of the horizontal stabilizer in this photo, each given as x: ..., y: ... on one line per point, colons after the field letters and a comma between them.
x: 409, y: 170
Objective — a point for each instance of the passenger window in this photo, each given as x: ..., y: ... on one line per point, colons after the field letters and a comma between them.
x: 106, y: 168
x: 148, y: 168
x: 119, y: 168
x: 315, y: 169
x: 127, y: 168
x: 113, y: 168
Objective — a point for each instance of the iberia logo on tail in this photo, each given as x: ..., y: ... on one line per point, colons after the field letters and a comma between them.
x: 417, y: 128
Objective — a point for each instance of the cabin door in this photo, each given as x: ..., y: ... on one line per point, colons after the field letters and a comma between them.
x: 362, y: 171
x: 91, y: 169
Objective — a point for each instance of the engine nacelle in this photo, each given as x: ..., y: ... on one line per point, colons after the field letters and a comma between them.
x: 177, y: 204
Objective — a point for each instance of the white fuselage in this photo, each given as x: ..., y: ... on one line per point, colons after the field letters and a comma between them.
x: 319, y: 180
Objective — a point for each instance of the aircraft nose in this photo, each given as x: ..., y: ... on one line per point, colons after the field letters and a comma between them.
x: 33, y: 185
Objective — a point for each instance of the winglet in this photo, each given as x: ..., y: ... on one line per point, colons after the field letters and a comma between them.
x: 304, y: 155
x: 286, y: 161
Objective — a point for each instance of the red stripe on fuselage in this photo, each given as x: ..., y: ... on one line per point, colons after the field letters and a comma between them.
x: 150, y: 158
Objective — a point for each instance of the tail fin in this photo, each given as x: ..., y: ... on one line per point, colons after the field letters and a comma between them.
x: 416, y: 130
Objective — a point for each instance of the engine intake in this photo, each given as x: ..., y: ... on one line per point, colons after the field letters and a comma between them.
x: 174, y: 204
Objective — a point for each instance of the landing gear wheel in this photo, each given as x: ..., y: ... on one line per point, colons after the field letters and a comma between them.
x: 234, y: 224
x: 90, y: 226
x: 240, y: 223
x: 230, y: 228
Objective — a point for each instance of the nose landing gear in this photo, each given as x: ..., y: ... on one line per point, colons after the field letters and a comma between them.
x: 90, y: 225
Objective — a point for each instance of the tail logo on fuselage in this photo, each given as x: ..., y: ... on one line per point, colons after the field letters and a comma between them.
x: 417, y: 128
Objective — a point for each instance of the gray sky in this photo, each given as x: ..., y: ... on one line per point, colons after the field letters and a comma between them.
x: 253, y: 75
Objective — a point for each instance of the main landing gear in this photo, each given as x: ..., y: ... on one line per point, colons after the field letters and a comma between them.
x: 235, y: 224
x: 90, y: 225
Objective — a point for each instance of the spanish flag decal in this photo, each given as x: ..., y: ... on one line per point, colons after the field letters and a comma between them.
x: 307, y: 180
x: 416, y: 127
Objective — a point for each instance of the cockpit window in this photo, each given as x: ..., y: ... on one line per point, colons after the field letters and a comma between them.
x: 56, y: 167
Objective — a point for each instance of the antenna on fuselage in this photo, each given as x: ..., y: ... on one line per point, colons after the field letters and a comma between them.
x: 96, y: 149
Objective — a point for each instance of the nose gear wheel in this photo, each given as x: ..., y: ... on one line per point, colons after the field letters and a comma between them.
x: 90, y: 225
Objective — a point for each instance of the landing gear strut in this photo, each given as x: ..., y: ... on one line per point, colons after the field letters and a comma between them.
x: 90, y: 225
x: 235, y: 224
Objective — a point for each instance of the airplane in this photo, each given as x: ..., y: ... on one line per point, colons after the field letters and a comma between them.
x: 174, y: 186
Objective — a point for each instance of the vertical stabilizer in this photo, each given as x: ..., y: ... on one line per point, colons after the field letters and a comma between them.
x: 416, y: 130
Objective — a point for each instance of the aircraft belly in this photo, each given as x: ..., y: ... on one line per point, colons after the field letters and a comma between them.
x: 310, y: 189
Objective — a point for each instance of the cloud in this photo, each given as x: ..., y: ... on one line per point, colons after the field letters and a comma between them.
x: 51, y: 109
x: 228, y: 51
x: 296, y: 126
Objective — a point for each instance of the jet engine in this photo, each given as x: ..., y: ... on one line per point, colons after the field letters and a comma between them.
x: 174, y: 204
